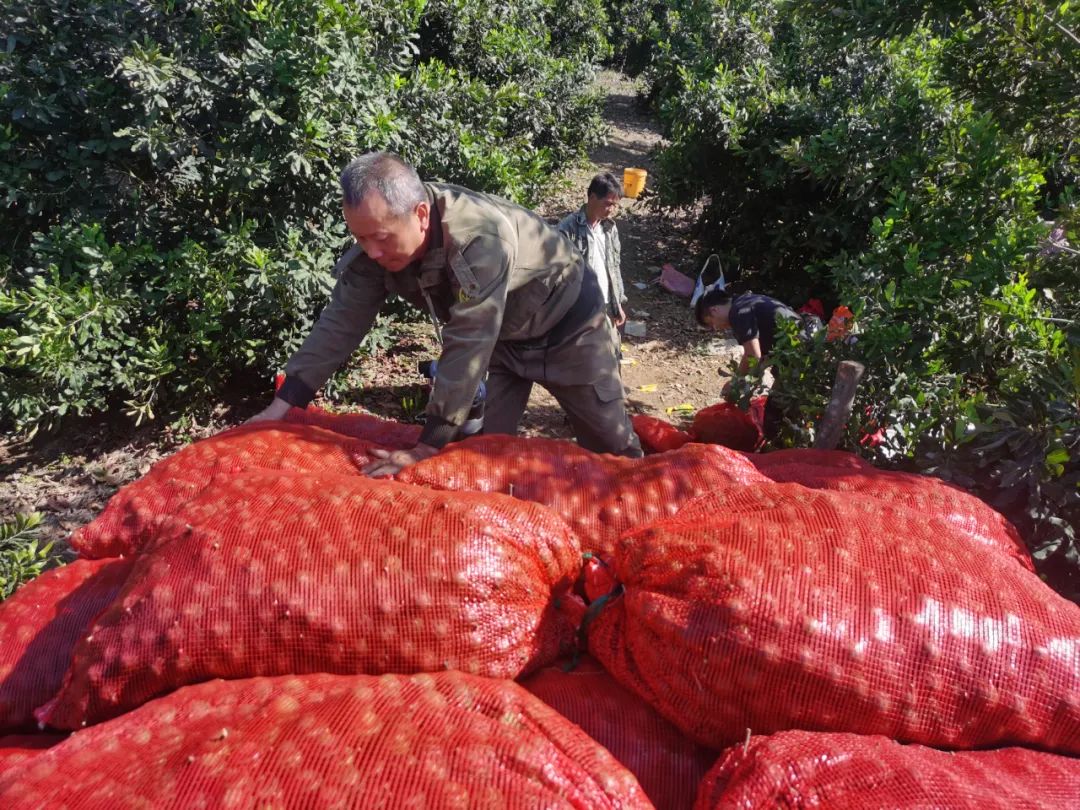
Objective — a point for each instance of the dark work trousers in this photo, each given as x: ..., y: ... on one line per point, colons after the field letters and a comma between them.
x: 577, y: 363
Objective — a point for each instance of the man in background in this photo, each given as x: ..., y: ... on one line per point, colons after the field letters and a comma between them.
x: 754, y: 320
x: 594, y: 233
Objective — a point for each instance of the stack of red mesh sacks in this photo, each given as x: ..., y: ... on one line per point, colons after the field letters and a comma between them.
x: 263, y: 552
x: 849, y: 603
x: 868, y: 605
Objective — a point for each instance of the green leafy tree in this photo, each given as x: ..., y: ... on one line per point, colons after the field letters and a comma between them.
x: 170, y: 172
x: 873, y: 156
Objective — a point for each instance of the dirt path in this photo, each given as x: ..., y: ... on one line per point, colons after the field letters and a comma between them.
x: 69, y: 478
x: 675, y: 363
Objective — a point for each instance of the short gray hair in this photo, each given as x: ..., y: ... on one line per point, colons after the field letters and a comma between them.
x: 386, y: 173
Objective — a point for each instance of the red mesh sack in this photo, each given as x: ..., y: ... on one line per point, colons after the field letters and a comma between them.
x: 131, y: 515
x: 778, y: 607
x: 845, y: 472
x: 723, y: 423
x: 424, y: 741
x: 850, y: 772
x: 384, y: 432
x: 39, y: 626
x: 273, y: 574
x: 668, y: 766
x: 658, y: 436
x: 600, y: 496
x: 18, y: 749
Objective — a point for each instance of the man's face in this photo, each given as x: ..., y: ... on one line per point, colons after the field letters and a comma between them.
x: 716, y: 319
x: 602, y: 207
x: 393, y: 241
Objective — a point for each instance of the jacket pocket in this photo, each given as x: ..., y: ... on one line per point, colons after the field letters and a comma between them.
x: 609, y: 389
x: 522, y: 306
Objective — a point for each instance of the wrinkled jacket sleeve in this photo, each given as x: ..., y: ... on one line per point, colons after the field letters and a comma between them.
x: 344, y: 321
x: 615, y: 265
x: 469, y: 338
x: 568, y: 226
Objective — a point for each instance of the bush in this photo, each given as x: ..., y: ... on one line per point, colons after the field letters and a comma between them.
x: 858, y: 156
x: 21, y: 556
x: 537, y: 56
x: 171, y: 171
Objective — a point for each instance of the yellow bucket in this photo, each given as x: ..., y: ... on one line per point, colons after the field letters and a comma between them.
x: 633, y: 182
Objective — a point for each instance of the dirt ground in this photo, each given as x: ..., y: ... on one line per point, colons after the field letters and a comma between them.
x: 69, y: 478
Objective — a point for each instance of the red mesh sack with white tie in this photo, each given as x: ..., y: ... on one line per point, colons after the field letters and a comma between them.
x: 844, y: 472
x: 272, y: 574
x: 668, y: 766
x: 851, y: 772
x: 133, y: 512
x: 444, y: 740
x: 600, y: 496
x: 777, y: 607
x: 39, y: 626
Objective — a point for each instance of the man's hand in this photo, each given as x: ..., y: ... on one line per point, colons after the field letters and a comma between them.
x: 621, y: 319
x: 391, y: 463
x: 275, y: 410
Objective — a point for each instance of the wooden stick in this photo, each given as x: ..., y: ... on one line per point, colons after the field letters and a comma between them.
x: 831, y: 427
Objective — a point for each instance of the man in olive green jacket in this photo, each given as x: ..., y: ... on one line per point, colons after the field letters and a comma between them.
x: 511, y: 295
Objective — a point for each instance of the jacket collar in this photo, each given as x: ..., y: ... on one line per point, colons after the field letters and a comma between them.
x: 435, y: 255
x: 582, y: 222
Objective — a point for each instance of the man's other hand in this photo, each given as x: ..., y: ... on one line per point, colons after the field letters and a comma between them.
x: 392, y: 462
x: 275, y: 410
x: 620, y: 319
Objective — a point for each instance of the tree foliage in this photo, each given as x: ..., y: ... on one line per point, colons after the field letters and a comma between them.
x: 169, y: 170
x: 917, y: 163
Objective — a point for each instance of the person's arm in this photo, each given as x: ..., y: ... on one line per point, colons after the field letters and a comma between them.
x: 482, y: 270
x: 275, y: 410
x: 344, y: 321
x: 566, y: 225
x: 751, y: 349
x: 617, y: 283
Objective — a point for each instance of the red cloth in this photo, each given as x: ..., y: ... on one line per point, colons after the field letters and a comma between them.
x: 813, y: 306
x: 674, y: 281
x: 269, y: 573
x: 313, y: 741
x: 776, y: 607
x: 849, y: 772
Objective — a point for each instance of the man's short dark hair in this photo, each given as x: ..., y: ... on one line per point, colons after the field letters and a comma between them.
x: 713, y: 298
x: 386, y: 173
x: 604, y: 185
